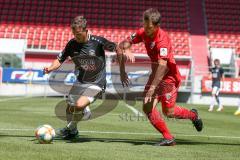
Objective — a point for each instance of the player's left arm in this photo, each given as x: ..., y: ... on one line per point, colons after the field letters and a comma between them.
x: 210, y: 74
x: 222, y: 74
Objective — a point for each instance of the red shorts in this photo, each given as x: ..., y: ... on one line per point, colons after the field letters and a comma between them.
x: 166, y: 93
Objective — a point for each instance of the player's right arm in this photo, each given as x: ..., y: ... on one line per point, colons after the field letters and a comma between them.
x: 55, y: 65
x: 59, y: 60
x: 210, y: 73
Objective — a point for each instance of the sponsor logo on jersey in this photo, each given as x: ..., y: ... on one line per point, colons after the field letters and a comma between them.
x: 163, y: 52
x: 91, y: 52
x: 168, y: 96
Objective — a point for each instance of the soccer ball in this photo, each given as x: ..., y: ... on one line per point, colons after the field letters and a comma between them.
x: 45, y: 134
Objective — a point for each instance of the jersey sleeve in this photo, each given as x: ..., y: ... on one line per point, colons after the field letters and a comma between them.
x: 136, y: 37
x: 108, y: 45
x: 65, y: 53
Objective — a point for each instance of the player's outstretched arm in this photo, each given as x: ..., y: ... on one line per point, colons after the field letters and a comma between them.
x: 55, y: 65
x: 161, y: 71
x: 122, y: 60
x: 210, y: 74
x: 125, y: 46
x: 222, y: 75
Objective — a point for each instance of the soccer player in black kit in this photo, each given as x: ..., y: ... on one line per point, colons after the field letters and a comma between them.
x: 216, y: 75
x: 88, y: 55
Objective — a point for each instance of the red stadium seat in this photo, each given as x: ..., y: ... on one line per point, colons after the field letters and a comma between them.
x: 222, y: 18
x: 36, y: 43
x: 2, y: 34
x: 45, y: 24
x: 43, y: 42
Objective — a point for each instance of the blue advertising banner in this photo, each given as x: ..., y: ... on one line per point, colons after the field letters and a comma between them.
x: 12, y: 75
x: 0, y: 75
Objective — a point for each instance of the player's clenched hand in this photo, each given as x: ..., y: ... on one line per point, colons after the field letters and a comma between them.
x: 46, y: 70
x: 124, y: 79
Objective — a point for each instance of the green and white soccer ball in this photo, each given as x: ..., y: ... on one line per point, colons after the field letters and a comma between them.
x: 45, y: 134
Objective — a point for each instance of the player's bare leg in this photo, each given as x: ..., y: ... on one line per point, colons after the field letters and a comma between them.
x: 212, y: 103
x: 237, y: 112
x: 68, y: 113
x: 215, y: 96
x: 77, y: 111
x: 86, y: 113
x: 74, y: 115
x: 220, y: 106
x: 78, y: 108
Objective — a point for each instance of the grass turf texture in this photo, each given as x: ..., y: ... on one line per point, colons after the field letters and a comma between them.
x: 117, y: 138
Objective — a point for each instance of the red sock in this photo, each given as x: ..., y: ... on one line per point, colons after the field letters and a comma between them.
x: 183, y: 113
x: 158, y: 122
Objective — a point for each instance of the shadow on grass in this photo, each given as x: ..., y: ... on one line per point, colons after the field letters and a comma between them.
x: 85, y: 139
x: 147, y: 142
x: 33, y: 138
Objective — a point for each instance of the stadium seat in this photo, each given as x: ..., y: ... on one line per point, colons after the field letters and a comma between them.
x: 223, y: 18
x: 44, y: 22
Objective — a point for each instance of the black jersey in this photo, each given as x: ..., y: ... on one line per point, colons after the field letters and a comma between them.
x: 217, y: 74
x: 89, y: 58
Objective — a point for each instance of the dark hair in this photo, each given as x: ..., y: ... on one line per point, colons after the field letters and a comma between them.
x: 152, y: 15
x: 216, y: 60
x: 79, y: 21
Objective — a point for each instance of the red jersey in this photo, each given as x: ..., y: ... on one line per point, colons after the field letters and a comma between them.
x: 159, y: 47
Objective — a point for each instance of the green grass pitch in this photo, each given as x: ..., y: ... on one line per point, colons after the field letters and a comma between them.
x: 114, y: 136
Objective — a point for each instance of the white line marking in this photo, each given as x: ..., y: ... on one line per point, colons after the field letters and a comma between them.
x: 128, y: 133
x: 135, y: 111
x: 15, y: 98
x: 16, y: 129
x: 208, y: 136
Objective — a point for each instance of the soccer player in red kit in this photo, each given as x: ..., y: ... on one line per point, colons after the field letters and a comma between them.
x: 165, y: 78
